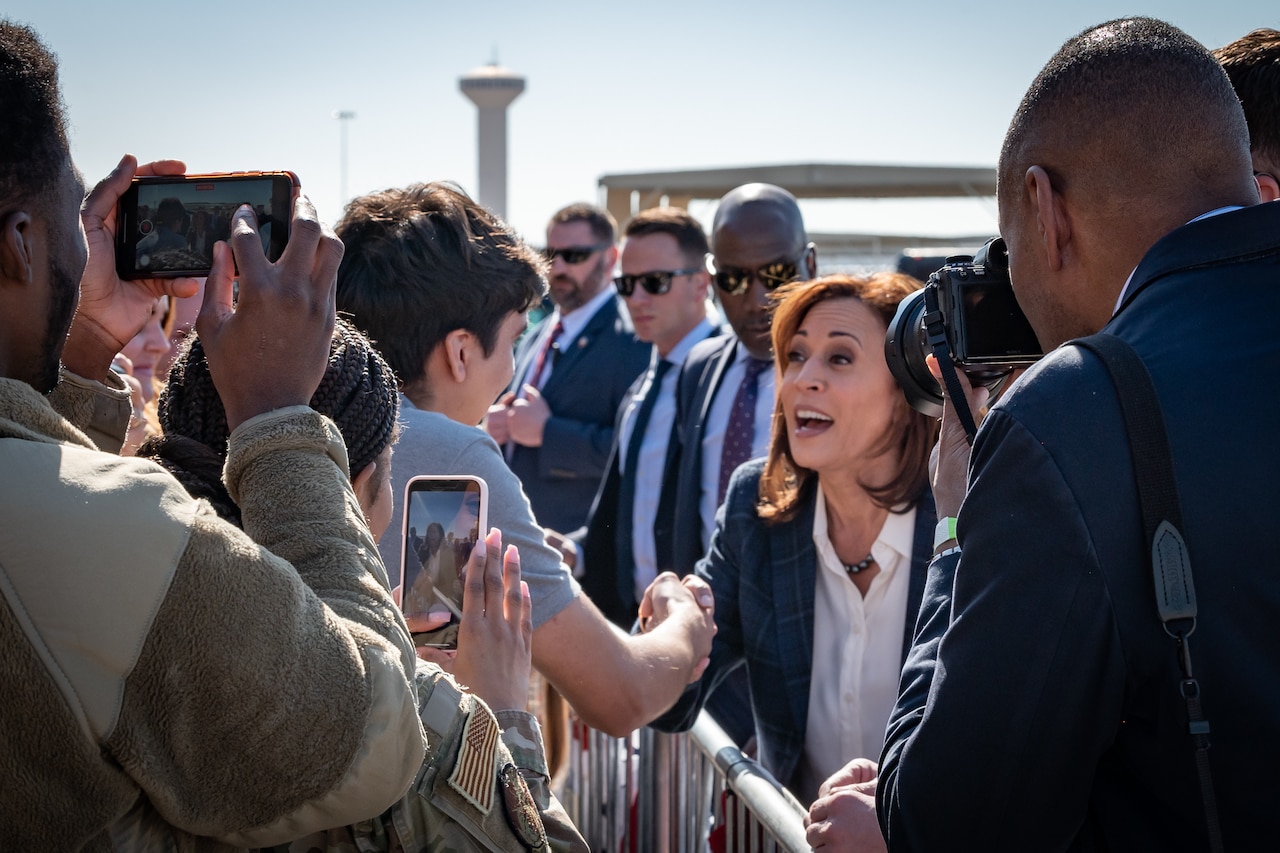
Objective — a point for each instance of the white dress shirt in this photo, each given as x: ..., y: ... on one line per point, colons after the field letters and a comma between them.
x: 857, y: 649
x: 651, y: 463
x: 718, y: 423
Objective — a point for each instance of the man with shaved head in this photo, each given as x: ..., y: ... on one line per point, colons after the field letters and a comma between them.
x: 758, y: 243
x: 724, y: 400
x: 1253, y: 64
x: 1040, y: 708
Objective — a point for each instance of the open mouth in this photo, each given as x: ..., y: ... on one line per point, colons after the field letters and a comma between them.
x: 809, y: 421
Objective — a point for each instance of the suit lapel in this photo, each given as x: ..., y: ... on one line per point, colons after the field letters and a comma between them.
x: 794, y: 575
x: 717, y: 377
x: 574, y: 350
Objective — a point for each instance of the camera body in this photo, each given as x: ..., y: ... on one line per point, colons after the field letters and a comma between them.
x: 976, y: 318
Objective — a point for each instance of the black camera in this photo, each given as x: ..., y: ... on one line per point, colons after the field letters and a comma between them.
x: 966, y: 311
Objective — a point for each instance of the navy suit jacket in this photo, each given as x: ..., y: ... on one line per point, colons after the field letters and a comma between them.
x: 610, y: 567
x: 764, y: 576
x: 1040, y: 708
x: 700, y: 381
x: 588, y: 381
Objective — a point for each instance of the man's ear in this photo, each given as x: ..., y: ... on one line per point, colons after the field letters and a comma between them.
x: 1268, y: 186
x: 458, y: 353
x: 811, y: 261
x: 1050, y: 215
x: 15, y: 246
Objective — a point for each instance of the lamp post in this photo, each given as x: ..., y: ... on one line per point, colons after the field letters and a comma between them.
x: 343, y: 116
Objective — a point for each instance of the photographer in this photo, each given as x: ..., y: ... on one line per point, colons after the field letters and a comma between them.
x: 1040, y: 707
x: 163, y: 671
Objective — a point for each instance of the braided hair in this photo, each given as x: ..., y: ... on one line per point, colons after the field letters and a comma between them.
x: 358, y: 392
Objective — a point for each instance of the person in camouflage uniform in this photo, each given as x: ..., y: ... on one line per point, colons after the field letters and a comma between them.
x: 483, y: 784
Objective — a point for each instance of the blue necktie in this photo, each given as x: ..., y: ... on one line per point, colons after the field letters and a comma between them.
x: 627, y: 498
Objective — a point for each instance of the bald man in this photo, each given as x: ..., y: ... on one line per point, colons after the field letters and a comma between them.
x: 1253, y: 64
x: 758, y: 243
x: 724, y: 399
x: 1040, y: 706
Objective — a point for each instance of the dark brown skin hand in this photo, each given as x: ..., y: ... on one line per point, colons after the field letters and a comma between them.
x: 113, y: 310
x: 271, y: 349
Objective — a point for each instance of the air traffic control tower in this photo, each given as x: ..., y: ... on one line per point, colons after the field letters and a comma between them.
x: 492, y: 88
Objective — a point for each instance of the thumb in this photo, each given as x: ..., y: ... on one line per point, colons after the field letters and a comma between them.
x: 532, y: 393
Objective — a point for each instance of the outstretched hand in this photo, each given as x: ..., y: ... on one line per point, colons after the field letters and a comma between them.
x: 113, y: 310
x: 495, y: 637
x: 691, y: 596
x: 270, y: 348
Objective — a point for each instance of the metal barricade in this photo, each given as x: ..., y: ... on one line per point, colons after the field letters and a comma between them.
x: 664, y: 793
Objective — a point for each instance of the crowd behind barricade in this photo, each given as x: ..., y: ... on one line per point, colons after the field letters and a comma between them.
x: 703, y: 485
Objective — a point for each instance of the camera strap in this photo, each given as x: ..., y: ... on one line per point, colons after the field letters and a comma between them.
x: 1161, y: 521
x: 935, y: 329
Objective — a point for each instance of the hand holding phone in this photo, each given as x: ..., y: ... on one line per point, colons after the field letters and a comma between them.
x: 442, y: 522
x: 269, y: 348
x: 111, y: 310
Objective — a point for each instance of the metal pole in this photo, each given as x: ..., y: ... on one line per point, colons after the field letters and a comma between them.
x: 343, y: 116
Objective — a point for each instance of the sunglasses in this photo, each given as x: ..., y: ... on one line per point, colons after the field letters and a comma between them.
x: 656, y: 283
x: 572, y: 254
x: 735, y: 280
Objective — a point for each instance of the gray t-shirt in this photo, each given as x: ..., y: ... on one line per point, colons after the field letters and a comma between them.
x: 431, y: 443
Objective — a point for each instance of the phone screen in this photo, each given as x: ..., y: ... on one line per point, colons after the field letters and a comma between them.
x: 166, y: 227
x: 444, y: 518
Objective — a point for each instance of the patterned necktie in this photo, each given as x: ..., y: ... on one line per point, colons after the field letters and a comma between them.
x: 541, y: 361
x: 740, y: 431
x: 627, y: 492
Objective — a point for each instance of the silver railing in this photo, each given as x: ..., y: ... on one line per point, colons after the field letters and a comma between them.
x: 666, y: 793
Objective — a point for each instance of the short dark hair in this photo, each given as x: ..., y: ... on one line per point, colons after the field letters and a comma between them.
x: 677, y: 222
x: 426, y: 260
x: 785, y: 483
x: 358, y: 392
x: 603, y: 226
x: 1252, y: 64
x: 1130, y: 104
x: 33, y: 146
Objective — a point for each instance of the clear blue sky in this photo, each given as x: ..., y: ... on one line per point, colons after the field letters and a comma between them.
x: 612, y: 87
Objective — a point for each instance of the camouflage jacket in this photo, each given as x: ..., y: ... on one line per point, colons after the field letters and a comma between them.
x: 483, y: 786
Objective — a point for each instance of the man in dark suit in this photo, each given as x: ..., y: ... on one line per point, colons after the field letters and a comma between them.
x: 573, y: 370
x: 758, y: 243
x: 1040, y: 708
x: 664, y: 282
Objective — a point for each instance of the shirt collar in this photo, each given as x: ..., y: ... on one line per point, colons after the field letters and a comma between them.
x: 897, y: 533
x: 680, y: 351
x: 576, y: 320
x: 1124, y: 291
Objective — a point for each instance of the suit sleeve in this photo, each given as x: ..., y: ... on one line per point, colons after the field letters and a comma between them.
x: 1007, y: 698
x: 721, y: 569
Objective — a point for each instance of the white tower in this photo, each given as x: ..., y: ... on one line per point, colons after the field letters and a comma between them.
x: 492, y: 88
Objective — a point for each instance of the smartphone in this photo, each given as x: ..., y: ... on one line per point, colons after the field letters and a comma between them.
x: 444, y: 518
x: 166, y: 226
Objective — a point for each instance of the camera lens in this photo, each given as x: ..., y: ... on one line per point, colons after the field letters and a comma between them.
x: 905, y: 348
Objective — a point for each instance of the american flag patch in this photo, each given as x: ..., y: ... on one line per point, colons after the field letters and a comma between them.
x: 474, y: 772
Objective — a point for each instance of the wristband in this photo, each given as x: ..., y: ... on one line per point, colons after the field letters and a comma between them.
x: 945, y: 530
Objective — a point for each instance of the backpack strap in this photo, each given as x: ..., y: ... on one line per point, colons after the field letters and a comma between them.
x: 1162, y: 521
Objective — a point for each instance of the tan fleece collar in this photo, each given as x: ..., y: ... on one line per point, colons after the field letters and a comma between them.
x: 26, y: 414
